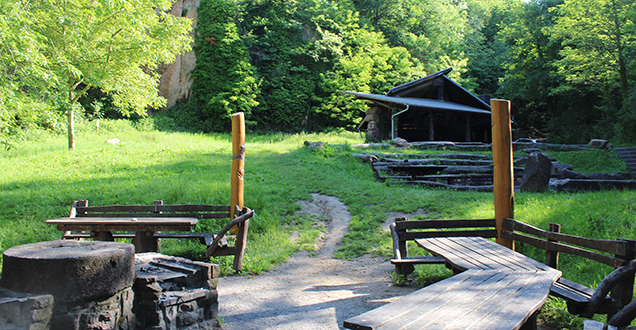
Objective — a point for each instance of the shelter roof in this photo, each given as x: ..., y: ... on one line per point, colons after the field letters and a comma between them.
x: 418, y: 103
x: 435, y: 91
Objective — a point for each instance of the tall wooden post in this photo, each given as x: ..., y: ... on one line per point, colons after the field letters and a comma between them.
x: 237, y: 180
x: 238, y: 163
x: 503, y: 179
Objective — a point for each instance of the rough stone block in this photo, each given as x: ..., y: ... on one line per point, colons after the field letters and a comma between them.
x: 75, y: 271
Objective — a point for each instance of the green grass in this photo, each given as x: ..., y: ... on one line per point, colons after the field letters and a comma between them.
x: 41, y: 178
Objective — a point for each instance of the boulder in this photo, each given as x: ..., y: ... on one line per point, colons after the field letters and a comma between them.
x: 536, y: 175
x: 314, y: 145
x: 599, y: 143
x: 558, y: 168
x: 400, y: 143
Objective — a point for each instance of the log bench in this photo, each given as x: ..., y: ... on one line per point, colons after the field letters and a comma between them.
x: 146, y: 225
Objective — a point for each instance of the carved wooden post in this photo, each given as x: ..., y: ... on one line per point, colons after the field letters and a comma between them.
x: 503, y: 179
x: 237, y: 180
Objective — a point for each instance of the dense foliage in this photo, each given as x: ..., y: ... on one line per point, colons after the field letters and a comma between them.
x: 567, y: 65
x: 53, y: 52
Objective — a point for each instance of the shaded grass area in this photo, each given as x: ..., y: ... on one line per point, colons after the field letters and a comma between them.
x: 42, y: 178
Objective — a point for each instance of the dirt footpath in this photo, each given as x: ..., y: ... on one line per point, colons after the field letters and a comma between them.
x: 310, y: 292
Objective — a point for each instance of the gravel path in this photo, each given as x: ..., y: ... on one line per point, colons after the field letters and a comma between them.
x: 310, y: 292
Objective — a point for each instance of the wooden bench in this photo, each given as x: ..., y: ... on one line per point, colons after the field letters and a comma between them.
x: 615, y: 253
x: 577, y: 296
x: 147, y: 224
x: 497, y: 289
x: 404, y: 230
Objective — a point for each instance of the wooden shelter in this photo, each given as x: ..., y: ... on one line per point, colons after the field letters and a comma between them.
x: 433, y: 108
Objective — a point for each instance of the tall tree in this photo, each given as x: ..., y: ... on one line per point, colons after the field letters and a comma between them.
x: 112, y: 45
x: 529, y: 79
x: 599, y: 42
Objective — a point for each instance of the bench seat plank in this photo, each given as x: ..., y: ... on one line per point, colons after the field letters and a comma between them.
x: 419, y: 260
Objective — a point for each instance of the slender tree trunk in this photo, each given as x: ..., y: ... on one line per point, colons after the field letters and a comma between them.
x: 71, y: 129
x: 622, y: 66
x: 71, y: 119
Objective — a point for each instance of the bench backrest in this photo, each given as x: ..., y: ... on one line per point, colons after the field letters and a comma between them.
x: 415, y: 229
x: 621, y: 251
x: 81, y: 209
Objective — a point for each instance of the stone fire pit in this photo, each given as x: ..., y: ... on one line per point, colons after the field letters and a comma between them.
x: 104, y: 285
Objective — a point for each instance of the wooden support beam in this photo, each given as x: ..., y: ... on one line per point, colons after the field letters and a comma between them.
x: 238, y: 173
x: 238, y: 164
x: 503, y: 179
x: 552, y: 257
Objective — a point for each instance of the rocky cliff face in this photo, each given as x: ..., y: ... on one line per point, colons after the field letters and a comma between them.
x: 176, y: 78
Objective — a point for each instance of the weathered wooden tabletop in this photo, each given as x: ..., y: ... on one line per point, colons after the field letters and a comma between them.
x: 498, y: 289
x: 106, y: 224
x: 479, y: 253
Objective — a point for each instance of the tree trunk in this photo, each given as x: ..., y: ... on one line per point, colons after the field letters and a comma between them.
x: 71, y: 129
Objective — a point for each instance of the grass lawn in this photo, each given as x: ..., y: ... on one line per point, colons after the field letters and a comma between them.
x: 41, y: 178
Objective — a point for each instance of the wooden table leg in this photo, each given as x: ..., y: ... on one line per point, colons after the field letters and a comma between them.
x: 145, y: 241
x: 102, y: 236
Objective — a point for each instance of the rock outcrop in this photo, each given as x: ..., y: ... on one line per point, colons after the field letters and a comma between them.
x: 176, y: 77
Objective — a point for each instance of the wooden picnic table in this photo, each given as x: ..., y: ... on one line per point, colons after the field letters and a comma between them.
x: 497, y: 289
x: 102, y: 228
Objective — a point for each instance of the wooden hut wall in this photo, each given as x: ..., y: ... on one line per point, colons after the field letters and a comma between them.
x: 454, y: 126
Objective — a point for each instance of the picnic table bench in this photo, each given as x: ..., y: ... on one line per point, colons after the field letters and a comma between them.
x: 148, y: 224
x: 495, y: 291
x: 463, y: 246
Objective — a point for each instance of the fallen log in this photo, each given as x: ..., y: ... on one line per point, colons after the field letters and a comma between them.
x: 434, y: 184
x: 591, y: 185
x: 435, y: 161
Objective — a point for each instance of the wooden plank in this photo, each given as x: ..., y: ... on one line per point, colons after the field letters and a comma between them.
x: 512, y: 313
x: 558, y: 247
x: 419, y: 260
x: 124, y: 224
x: 449, y: 304
x: 425, y: 224
x: 614, y: 247
x: 454, y: 254
x: 470, y: 249
x: 482, y: 305
x: 567, y: 293
x: 381, y: 315
x: 153, y: 208
x: 507, y: 256
x: 409, y: 236
x: 131, y: 220
x: 156, y: 215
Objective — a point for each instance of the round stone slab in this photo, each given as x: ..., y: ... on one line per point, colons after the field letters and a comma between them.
x: 72, y: 271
